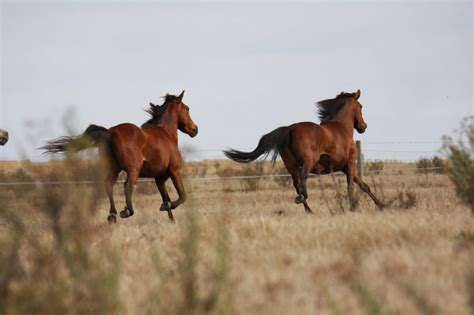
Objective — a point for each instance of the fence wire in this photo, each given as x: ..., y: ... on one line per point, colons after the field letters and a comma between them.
x: 218, y: 178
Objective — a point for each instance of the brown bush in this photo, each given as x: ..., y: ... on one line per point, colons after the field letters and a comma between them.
x: 375, y: 167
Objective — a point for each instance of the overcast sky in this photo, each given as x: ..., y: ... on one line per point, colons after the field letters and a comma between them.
x: 247, y: 68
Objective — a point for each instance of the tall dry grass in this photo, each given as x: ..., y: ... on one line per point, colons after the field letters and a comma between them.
x: 235, y: 250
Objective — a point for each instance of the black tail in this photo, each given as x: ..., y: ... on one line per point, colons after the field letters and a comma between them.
x: 272, y: 142
x: 92, y: 137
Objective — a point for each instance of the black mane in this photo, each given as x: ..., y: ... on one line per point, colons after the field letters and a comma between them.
x: 327, y: 109
x: 157, y: 111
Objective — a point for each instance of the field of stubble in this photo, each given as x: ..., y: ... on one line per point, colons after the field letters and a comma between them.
x: 240, y: 248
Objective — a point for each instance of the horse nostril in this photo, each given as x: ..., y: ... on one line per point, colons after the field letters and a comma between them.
x: 196, y: 130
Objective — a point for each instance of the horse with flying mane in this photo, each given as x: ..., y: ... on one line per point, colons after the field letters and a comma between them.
x: 149, y: 151
x: 307, y: 147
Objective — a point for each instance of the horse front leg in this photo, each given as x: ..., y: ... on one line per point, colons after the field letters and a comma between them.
x: 178, y: 184
x: 166, y: 205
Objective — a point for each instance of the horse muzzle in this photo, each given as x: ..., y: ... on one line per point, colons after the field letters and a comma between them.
x: 361, y: 129
x: 194, y: 132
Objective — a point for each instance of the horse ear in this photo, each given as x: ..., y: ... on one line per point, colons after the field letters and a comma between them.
x: 357, y: 94
x: 181, y: 96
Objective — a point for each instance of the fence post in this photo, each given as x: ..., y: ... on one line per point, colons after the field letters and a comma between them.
x: 360, y: 159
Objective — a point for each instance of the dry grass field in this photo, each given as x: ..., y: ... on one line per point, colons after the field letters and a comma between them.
x: 238, y: 246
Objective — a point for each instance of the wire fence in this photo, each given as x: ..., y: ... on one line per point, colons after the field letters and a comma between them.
x: 190, y: 151
x: 395, y: 171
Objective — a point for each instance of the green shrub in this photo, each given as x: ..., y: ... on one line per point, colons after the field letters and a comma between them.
x: 460, y: 154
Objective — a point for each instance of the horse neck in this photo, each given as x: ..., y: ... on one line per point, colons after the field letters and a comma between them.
x: 169, y: 122
x: 346, y: 117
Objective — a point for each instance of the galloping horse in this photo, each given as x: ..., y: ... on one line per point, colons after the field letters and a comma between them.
x: 307, y: 147
x: 3, y: 137
x: 148, y: 151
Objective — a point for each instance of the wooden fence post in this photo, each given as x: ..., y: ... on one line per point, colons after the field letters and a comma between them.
x: 360, y: 159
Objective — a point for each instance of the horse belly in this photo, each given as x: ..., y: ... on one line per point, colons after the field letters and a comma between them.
x: 326, y: 165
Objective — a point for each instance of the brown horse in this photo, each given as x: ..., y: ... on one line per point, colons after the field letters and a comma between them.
x: 148, y: 151
x: 307, y: 147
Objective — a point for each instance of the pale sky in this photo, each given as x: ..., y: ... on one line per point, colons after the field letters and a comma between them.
x: 247, y: 68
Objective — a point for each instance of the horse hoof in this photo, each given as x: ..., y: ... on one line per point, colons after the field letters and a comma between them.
x: 308, y: 211
x: 112, y: 219
x: 126, y: 213
x: 165, y: 206
x: 299, y: 199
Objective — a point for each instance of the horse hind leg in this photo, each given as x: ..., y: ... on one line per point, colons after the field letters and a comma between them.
x: 129, y: 187
x: 303, y: 189
x: 299, y: 175
x: 299, y: 183
x: 110, y: 182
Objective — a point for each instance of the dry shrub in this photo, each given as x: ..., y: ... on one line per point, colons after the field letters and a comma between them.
x: 439, y: 165
x: 460, y: 155
x: 19, y: 180
x: 431, y: 165
x: 406, y: 198
x: 249, y: 173
x: 195, y: 169
x: 374, y: 167
x: 50, y: 268
x: 283, y: 181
